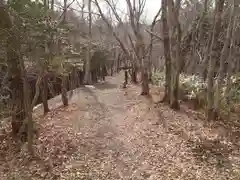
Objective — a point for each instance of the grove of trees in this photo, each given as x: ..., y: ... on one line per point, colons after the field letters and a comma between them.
x: 51, y: 47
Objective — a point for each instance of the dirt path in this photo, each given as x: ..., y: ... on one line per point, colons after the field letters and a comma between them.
x: 104, y: 128
x: 123, y: 136
x: 117, y: 134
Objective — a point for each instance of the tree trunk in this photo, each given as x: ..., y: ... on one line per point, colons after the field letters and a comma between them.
x: 126, y: 76
x: 73, y: 80
x: 145, y: 84
x: 44, y: 93
x: 144, y: 72
x: 204, y: 64
x: 111, y: 70
x: 230, y: 68
x: 201, y: 23
x: 104, y: 71
x: 64, y: 90
x: 65, y: 11
x: 28, y: 109
x: 166, y: 45
x: 14, y: 71
x: 134, y: 74
x: 125, y: 79
x: 176, y: 35
x: 175, y: 91
x: 88, y: 78
x: 118, y: 62
x: 175, y: 88
x: 213, y: 58
x: 150, y: 63
x: 18, y: 111
x: 224, y: 56
x: 44, y: 82
x: 52, y: 5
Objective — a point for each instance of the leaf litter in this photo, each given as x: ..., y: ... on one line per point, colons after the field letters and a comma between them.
x: 112, y: 134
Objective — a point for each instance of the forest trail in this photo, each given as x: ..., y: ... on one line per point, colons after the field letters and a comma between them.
x: 110, y: 133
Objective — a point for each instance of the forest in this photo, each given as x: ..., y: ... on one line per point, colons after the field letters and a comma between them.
x: 89, y: 90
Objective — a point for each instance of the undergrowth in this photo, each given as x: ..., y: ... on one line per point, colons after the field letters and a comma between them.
x: 193, y: 87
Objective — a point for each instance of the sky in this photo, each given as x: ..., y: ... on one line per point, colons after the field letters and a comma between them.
x: 151, y: 8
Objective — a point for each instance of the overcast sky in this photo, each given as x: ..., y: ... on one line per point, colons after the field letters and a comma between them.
x: 151, y: 8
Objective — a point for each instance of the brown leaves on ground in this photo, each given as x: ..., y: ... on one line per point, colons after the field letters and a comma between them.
x: 111, y: 133
x: 55, y: 143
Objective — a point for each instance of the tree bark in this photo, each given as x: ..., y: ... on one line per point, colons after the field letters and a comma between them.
x: 201, y: 24
x: 150, y: 64
x: 28, y: 109
x: 204, y: 64
x: 134, y: 74
x: 14, y: 70
x: 44, y: 81
x: 144, y: 69
x: 213, y: 59
x: 145, y: 84
x: 44, y: 93
x: 88, y: 78
x: 125, y: 78
x: 139, y: 47
x: 175, y: 36
x: 52, y: 5
x: 65, y: 11
x: 230, y: 68
x: 166, y: 46
x: 223, y: 57
x: 64, y: 90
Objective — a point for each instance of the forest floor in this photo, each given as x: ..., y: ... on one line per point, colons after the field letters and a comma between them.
x: 110, y: 133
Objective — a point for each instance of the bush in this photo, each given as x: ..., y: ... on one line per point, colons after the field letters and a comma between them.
x: 158, y: 78
x: 193, y: 88
x: 193, y: 85
x: 235, y: 88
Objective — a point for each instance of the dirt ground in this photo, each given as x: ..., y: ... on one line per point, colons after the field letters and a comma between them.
x: 110, y: 133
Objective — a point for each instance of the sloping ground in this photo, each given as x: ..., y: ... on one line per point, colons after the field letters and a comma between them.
x: 109, y: 133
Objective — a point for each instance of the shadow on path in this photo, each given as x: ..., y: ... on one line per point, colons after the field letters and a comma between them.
x: 105, y: 85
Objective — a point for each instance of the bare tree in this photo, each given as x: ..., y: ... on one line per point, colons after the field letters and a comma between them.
x: 200, y: 23
x: 45, y: 2
x: 139, y: 47
x: 230, y: 67
x: 200, y: 28
x: 14, y: 70
x: 127, y: 53
x: 44, y: 89
x: 82, y: 9
x: 65, y: 10
x: 223, y: 57
x: 43, y: 67
x: 52, y: 5
x: 213, y: 59
x: 151, y: 43
x: 64, y: 75
x: 166, y: 45
x: 28, y: 108
x: 88, y: 79
x: 21, y: 105
x: 175, y: 43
